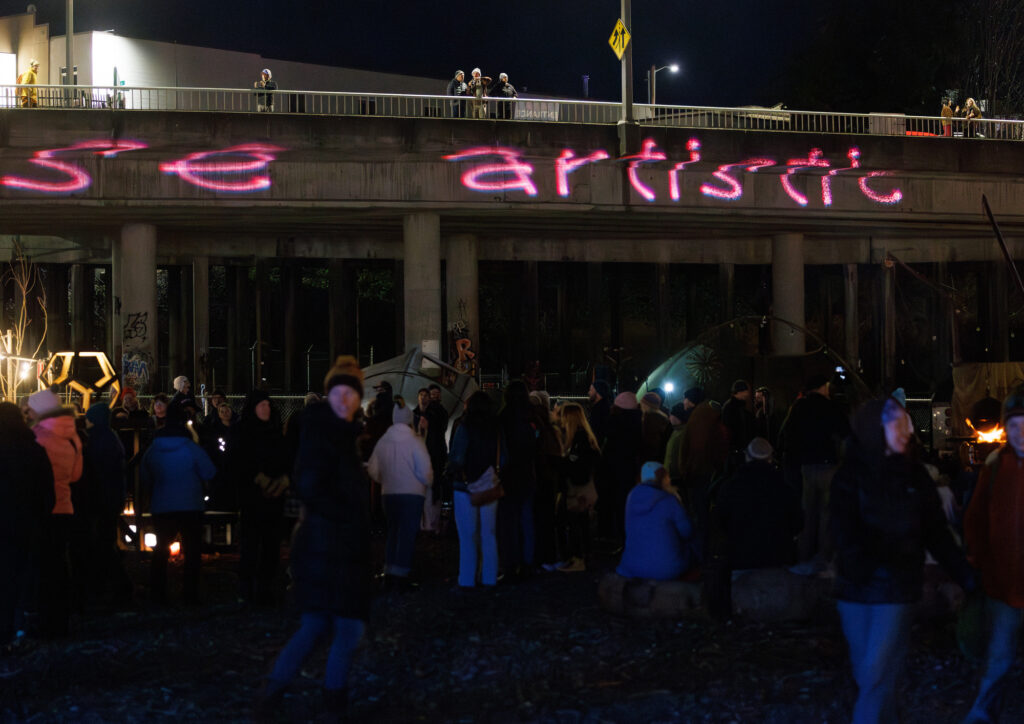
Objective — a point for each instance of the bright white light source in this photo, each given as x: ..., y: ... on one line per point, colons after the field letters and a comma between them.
x: 25, y: 369
x: 674, y: 68
x: 127, y: 539
x: 133, y: 529
x: 150, y: 540
x: 670, y: 387
x: 175, y: 548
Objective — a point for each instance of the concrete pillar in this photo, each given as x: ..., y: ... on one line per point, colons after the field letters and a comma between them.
x: 788, y: 293
x: 422, y: 284
x: 201, y: 322
x: 342, y: 308
x: 851, y: 322
x: 462, y: 281
x: 138, y: 306
x: 178, y: 354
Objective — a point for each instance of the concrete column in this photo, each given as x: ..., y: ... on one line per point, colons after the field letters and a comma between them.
x: 851, y: 322
x: 178, y: 354
x: 138, y: 306
x: 422, y: 272
x: 342, y: 308
x: 201, y: 321
x: 462, y: 280
x: 788, y: 293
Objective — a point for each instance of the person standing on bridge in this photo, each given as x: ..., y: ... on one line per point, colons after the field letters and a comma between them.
x: 457, y: 88
x: 477, y: 90
x: 265, y: 100
x: 29, y: 95
x: 506, y: 93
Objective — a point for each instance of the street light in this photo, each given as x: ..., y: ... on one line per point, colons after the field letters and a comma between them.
x: 652, y: 78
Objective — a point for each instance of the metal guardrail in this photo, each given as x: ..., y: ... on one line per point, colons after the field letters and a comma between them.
x: 391, y: 105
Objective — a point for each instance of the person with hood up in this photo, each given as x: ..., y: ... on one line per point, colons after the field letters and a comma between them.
x: 401, y: 465
x: 265, y: 86
x: 105, y: 488
x: 26, y: 499
x: 330, y: 555
x: 176, y: 471
x: 621, y: 454
x: 658, y: 531
x: 258, y: 462
x: 54, y: 429
x: 995, y: 542
x: 885, y: 513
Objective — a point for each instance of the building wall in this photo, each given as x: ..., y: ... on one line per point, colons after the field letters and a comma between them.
x: 19, y: 34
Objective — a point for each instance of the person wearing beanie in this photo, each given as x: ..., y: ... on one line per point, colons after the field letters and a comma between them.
x: 329, y: 560
x: 176, y: 471
x: 265, y: 88
x: 506, y: 92
x: 656, y: 428
x: 659, y: 537
x: 886, y: 514
x: 401, y: 465
x: 677, y: 419
x: 182, y: 391
x: 738, y: 417
x: 258, y: 465
x: 810, y: 441
x: 995, y: 541
x: 477, y: 90
x: 457, y: 87
x: 101, y: 504
x: 624, y: 441
x: 600, y: 394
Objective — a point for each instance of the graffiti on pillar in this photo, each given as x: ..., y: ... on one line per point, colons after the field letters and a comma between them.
x: 136, y: 327
x: 135, y: 368
x: 213, y: 170
x: 77, y: 179
x: 461, y: 351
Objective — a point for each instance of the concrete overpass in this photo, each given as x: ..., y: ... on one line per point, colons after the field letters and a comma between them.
x: 141, y: 188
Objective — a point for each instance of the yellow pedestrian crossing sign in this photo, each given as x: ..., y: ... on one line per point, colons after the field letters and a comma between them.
x: 620, y: 39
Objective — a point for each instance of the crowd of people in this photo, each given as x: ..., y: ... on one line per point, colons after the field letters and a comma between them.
x: 702, y: 491
x: 478, y: 89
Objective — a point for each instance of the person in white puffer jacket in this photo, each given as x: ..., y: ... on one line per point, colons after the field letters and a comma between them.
x: 401, y: 465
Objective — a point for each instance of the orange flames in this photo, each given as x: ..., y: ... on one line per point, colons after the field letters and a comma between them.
x: 175, y: 548
x: 996, y: 434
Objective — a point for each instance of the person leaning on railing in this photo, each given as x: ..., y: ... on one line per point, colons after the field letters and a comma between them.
x: 947, y: 116
x: 266, y: 83
x: 29, y: 95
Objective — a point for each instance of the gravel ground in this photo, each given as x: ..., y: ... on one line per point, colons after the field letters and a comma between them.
x: 535, y: 651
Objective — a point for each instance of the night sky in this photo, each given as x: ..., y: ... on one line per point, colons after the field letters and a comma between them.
x: 731, y: 53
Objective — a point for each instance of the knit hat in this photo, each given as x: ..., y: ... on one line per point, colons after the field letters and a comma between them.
x: 98, y: 415
x: 179, y: 383
x: 43, y: 402
x: 652, y: 399
x: 129, y: 391
x: 402, y: 415
x: 344, y: 372
x: 1013, y: 406
x: 475, y: 71
x: 459, y: 72
x: 649, y: 472
x: 814, y: 382
x: 694, y: 395
x: 602, y: 388
x: 541, y: 398
x: 740, y: 386
x: 267, y: 71
x: 759, y: 449
x: 626, y: 401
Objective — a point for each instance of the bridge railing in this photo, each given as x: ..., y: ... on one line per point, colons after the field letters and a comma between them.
x: 393, y: 105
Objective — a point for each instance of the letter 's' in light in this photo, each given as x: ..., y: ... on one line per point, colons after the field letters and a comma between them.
x: 79, y: 180
x: 734, y: 191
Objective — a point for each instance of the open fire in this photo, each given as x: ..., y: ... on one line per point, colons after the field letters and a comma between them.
x: 988, y: 434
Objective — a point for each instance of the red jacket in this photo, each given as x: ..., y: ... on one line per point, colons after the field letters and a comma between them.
x: 59, y: 438
x: 994, y: 527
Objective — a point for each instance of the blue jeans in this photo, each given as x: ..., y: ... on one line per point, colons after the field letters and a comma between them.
x: 403, y: 513
x: 1005, y: 622
x: 477, y: 540
x: 347, y: 632
x: 878, y: 635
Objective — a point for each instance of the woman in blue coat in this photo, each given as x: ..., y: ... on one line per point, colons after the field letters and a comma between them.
x: 330, y: 554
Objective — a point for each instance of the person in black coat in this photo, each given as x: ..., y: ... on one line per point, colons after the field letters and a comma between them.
x: 26, y: 499
x: 105, y: 489
x: 330, y: 555
x: 516, y: 533
x: 621, y: 454
x: 258, y: 461
x: 885, y: 513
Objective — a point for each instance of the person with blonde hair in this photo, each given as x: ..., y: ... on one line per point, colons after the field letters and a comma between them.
x: 330, y: 554
x: 580, y: 457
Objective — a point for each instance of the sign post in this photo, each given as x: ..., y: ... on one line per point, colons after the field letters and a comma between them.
x: 619, y: 41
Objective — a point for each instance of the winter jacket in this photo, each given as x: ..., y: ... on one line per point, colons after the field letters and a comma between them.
x: 675, y: 441
x: 104, y: 479
x: 994, y: 527
x: 739, y: 421
x: 256, y: 447
x: 176, y: 469
x: 58, y: 436
x: 580, y: 461
x: 623, y: 445
x: 330, y: 556
x: 26, y: 491
x: 503, y: 89
x: 456, y: 87
x: 760, y: 515
x: 519, y: 475
x: 473, y: 451
x: 657, y: 535
x: 655, y: 433
x: 401, y: 463
x: 885, y: 511
x: 813, y: 432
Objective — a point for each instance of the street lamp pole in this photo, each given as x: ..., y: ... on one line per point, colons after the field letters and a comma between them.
x: 627, y: 67
x: 652, y: 77
x: 69, y: 41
